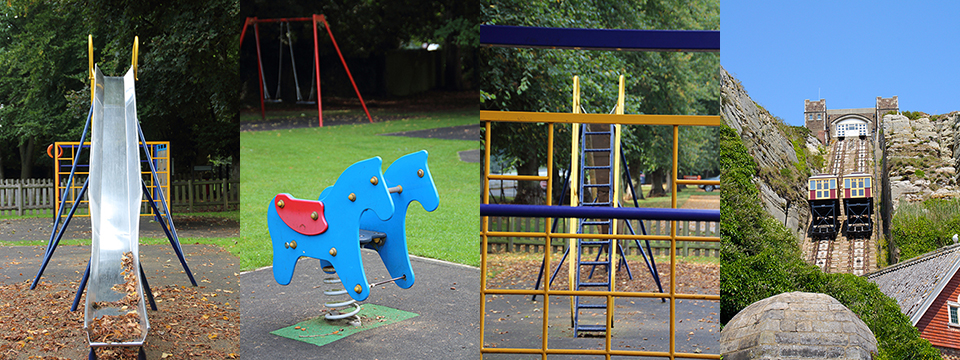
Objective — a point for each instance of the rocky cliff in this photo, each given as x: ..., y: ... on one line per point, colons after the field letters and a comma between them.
x: 921, y: 158
x: 765, y: 138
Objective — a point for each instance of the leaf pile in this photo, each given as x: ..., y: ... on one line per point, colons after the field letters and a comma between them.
x: 192, y: 322
x: 125, y: 327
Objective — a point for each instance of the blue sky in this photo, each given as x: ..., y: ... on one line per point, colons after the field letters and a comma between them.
x: 850, y: 51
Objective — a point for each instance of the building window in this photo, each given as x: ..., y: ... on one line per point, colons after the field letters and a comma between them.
x: 818, y: 116
x: 953, y: 313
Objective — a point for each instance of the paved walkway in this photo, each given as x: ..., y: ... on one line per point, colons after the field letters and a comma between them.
x: 445, y: 296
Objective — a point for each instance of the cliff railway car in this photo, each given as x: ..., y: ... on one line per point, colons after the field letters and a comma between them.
x: 857, y: 197
x: 824, y: 206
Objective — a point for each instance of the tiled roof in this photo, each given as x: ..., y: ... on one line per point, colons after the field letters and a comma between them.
x: 915, y: 283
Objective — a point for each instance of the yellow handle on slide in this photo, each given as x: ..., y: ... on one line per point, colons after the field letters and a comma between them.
x: 92, y: 79
x: 136, y: 51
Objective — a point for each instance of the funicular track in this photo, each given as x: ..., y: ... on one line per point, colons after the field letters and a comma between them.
x: 844, y: 254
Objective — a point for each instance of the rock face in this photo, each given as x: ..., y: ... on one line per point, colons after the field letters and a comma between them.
x: 921, y: 158
x: 771, y: 149
x: 797, y: 325
x: 755, y: 125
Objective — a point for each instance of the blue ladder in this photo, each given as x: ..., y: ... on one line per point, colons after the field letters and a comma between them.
x: 595, y: 191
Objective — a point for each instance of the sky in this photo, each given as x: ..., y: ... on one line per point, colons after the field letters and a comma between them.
x: 847, y: 52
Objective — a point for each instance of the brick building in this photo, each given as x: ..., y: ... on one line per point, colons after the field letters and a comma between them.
x: 826, y: 124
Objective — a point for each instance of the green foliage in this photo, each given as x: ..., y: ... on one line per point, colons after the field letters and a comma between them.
x: 188, y: 86
x: 913, y: 115
x: 761, y: 258
x: 919, y: 173
x: 896, y: 336
x: 919, y: 228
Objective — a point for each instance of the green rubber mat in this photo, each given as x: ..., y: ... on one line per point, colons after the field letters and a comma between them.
x: 320, y: 331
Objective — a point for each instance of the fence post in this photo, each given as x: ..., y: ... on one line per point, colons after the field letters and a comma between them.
x: 19, y: 198
x: 223, y: 194
x: 190, y: 194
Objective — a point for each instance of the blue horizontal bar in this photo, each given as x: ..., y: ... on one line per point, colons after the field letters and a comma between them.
x: 600, y: 39
x: 599, y: 213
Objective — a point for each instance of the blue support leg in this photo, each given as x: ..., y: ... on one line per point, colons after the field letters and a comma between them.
x: 566, y: 185
x: 174, y: 241
x: 146, y: 289
x: 83, y: 284
x: 56, y: 238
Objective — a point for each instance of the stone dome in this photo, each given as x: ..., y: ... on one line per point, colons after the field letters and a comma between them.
x: 797, y: 325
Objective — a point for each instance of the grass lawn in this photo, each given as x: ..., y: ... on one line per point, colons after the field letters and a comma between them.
x: 302, y: 162
x: 228, y: 243
x: 235, y: 215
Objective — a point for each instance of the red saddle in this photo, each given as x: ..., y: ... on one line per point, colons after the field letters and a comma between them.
x: 303, y: 216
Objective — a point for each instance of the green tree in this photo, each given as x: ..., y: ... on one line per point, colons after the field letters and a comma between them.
x: 37, y: 68
x: 187, y: 92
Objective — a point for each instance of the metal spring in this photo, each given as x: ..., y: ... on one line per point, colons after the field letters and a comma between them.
x: 337, y: 306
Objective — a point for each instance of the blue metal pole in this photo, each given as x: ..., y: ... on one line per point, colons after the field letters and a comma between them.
x: 172, y: 237
x: 63, y: 198
x: 59, y: 235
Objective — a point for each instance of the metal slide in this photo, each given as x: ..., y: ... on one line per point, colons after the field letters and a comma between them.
x: 115, y: 312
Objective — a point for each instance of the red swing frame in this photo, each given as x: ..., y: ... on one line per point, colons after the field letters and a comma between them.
x: 316, y: 58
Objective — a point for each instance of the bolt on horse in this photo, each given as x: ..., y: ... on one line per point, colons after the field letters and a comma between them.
x: 303, y: 228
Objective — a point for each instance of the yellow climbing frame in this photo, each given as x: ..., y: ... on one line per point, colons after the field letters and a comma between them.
x: 66, y: 155
x: 576, y: 118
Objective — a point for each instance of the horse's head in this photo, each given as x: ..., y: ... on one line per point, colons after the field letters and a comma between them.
x: 411, y: 172
x: 360, y: 187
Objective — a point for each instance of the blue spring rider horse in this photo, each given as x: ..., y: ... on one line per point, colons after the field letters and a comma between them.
x: 303, y: 227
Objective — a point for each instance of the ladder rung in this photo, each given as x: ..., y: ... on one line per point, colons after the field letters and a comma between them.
x: 596, y: 133
x: 596, y: 204
x: 596, y: 185
x: 598, y: 222
x: 592, y: 306
x: 591, y: 328
x: 586, y: 263
x: 595, y: 167
x: 601, y: 242
x: 597, y: 150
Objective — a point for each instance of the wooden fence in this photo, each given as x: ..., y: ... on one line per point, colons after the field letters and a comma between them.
x: 36, y: 196
x: 26, y: 197
x: 653, y: 227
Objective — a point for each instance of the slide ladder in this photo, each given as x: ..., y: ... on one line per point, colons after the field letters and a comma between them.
x: 596, y: 189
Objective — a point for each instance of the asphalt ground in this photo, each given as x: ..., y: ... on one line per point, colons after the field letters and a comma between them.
x: 445, y: 297
x: 214, y: 269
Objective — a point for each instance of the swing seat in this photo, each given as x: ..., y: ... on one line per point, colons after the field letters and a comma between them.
x: 306, y: 102
x: 273, y: 101
x: 366, y: 236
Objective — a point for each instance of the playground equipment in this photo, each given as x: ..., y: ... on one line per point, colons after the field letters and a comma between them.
x: 606, y: 211
x: 115, y: 307
x: 301, y: 228
x: 67, y: 153
x: 265, y: 93
x: 597, y: 155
